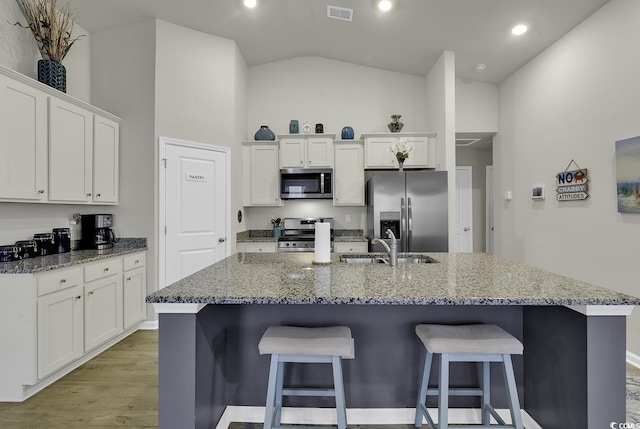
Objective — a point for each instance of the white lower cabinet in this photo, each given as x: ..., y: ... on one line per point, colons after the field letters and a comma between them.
x: 351, y: 247
x: 52, y: 320
x: 103, y: 307
x: 134, y: 289
x: 60, y: 327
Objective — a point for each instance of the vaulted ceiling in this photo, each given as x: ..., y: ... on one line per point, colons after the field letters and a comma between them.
x: 408, y: 39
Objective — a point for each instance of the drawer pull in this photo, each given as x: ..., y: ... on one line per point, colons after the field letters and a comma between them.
x: 106, y: 269
x: 63, y: 280
x: 79, y: 297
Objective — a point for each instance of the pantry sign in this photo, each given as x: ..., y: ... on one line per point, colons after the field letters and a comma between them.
x: 572, y: 185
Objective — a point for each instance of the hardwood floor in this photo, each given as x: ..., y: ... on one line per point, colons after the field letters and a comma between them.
x: 119, y: 389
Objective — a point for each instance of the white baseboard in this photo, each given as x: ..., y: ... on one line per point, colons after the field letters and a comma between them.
x: 149, y: 325
x: 633, y: 359
x: 357, y: 416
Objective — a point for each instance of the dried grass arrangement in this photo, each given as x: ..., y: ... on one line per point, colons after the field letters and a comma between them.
x: 51, y: 27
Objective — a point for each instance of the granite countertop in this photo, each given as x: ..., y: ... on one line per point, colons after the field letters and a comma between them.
x: 62, y: 260
x: 455, y: 279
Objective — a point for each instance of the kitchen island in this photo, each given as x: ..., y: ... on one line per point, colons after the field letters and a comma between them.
x: 572, y: 373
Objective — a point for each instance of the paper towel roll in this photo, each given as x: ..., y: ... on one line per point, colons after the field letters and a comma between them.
x: 322, y: 246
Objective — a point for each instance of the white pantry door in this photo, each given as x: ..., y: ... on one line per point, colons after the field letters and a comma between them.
x: 464, y: 209
x: 195, y: 207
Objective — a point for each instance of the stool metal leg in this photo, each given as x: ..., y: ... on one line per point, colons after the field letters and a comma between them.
x: 512, y: 392
x: 278, y: 399
x: 422, y: 392
x: 443, y: 392
x: 486, y: 393
x: 271, y: 392
x: 338, y: 386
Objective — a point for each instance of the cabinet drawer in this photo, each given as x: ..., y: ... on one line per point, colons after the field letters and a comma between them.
x: 352, y: 247
x: 100, y: 270
x: 58, y: 280
x: 136, y: 260
x: 261, y: 247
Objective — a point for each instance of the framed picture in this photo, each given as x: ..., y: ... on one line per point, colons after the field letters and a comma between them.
x: 537, y: 192
x: 628, y: 175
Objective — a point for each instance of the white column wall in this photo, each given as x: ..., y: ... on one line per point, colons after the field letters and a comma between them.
x: 573, y: 102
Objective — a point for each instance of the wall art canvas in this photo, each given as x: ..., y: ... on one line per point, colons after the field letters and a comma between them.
x: 628, y: 175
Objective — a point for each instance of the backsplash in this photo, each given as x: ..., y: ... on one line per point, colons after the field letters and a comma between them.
x: 259, y: 218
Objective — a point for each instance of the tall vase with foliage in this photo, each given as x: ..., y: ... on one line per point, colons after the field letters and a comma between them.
x: 52, y: 28
x: 401, y: 151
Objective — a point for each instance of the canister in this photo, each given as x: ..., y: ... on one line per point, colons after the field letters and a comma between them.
x: 27, y: 248
x: 46, y: 245
x: 8, y: 253
x: 62, y: 240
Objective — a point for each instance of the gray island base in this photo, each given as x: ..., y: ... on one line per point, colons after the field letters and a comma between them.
x: 572, y: 373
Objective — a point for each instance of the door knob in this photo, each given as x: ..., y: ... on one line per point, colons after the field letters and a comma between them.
x: 221, y: 239
x: 466, y: 229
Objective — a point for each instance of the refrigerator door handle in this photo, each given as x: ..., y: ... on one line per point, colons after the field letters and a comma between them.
x: 410, y: 221
x: 403, y: 226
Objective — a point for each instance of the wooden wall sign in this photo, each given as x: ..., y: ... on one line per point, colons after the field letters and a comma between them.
x: 572, y: 185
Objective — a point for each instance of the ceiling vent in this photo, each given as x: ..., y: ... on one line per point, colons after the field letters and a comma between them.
x: 341, y: 13
x: 466, y: 142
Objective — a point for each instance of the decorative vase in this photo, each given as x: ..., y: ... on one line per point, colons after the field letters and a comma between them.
x: 293, y: 127
x: 306, y: 128
x: 319, y: 128
x: 395, y: 125
x: 264, y: 133
x: 52, y: 73
x: 401, y: 164
x: 276, y: 231
x: 347, y: 133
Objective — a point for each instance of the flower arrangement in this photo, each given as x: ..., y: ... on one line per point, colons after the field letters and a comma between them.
x: 51, y: 27
x: 401, y: 149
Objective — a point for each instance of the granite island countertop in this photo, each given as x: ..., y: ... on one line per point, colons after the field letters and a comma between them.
x: 39, y: 264
x: 455, y: 279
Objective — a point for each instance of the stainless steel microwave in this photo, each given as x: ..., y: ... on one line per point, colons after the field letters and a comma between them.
x: 306, y: 183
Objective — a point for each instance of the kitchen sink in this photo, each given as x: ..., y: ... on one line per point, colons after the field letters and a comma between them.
x: 383, y: 259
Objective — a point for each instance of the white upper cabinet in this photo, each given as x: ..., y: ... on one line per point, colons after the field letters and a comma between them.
x: 261, y: 174
x: 377, y: 155
x: 23, y: 142
x: 54, y: 147
x: 70, y: 152
x: 348, y: 185
x: 106, y: 144
x: 306, y: 151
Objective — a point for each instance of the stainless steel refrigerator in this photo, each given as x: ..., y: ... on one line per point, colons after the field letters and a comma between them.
x: 413, y: 204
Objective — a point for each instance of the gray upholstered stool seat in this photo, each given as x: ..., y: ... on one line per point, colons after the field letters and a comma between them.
x: 306, y: 345
x: 467, y: 343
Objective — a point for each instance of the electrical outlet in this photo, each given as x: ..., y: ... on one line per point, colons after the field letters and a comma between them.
x: 347, y: 218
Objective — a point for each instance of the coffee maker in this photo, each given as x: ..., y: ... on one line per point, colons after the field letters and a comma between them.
x: 96, y: 231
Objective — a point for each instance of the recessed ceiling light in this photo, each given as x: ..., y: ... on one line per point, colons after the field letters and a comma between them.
x: 250, y: 3
x: 385, y: 5
x: 519, y: 29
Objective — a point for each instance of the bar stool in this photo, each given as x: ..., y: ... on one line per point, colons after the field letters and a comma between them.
x: 306, y: 345
x: 467, y: 343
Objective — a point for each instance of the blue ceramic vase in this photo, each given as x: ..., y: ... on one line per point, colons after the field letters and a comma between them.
x: 293, y: 127
x: 347, y: 133
x: 264, y: 133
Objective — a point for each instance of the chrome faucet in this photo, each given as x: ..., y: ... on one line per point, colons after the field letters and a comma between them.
x: 392, y: 250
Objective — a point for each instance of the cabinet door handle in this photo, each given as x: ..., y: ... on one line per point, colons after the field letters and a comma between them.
x: 106, y: 269
x: 128, y: 279
x: 79, y: 297
x: 309, y: 162
x: 90, y: 292
x: 41, y: 191
x: 137, y: 261
x: 89, y: 194
x: 97, y: 195
x: 63, y: 280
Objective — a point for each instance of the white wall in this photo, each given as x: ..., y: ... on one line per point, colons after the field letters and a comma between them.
x: 123, y: 65
x: 573, y: 102
x: 334, y: 93
x: 440, y: 104
x: 478, y: 159
x: 476, y: 107
x: 201, y: 96
x: 19, y: 52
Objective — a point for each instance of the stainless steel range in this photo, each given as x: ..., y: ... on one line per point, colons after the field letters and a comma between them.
x: 298, y: 234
